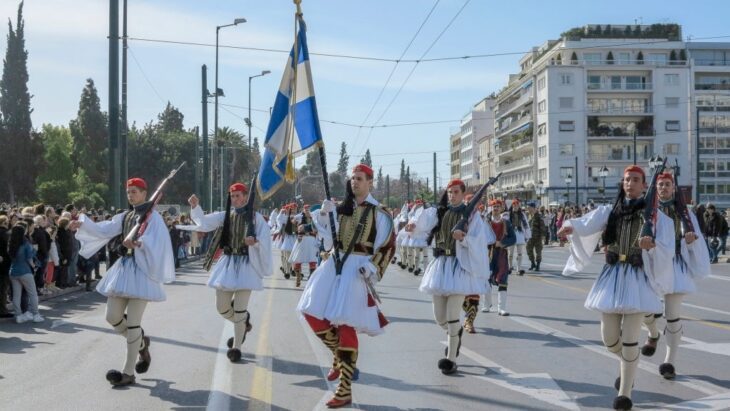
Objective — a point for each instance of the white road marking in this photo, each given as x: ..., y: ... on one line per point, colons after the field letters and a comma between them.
x: 220, y: 388
x: 712, y: 310
x: 697, y: 385
x: 719, y: 277
x: 712, y: 348
x: 713, y: 402
x: 539, y: 386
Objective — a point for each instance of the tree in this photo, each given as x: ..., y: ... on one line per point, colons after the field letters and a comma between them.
x: 87, y: 192
x: 342, y: 165
x: 640, y: 57
x: 21, y: 152
x: 171, y: 120
x: 57, y: 179
x: 609, y: 58
x: 337, y: 185
x: 90, y: 135
x: 627, y: 31
x: 573, y: 58
x: 367, y: 160
x: 380, y: 183
x: 402, y: 169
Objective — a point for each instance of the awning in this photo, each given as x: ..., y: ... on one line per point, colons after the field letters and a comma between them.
x: 527, y: 84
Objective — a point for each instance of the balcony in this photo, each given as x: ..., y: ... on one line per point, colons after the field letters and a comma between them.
x: 515, y: 125
x: 610, y: 128
x: 617, y: 111
x: 524, y: 98
x: 641, y: 87
x: 506, y: 165
x: 714, y: 174
x: 619, y: 156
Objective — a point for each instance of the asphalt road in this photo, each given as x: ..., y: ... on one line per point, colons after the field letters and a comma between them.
x: 547, y: 355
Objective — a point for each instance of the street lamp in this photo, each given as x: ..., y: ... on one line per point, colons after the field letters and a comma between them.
x: 655, y: 162
x: 539, y: 190
x: 218, y: 92
x: 603, y: 173
x: 248, y: 119
x: 568, y: 180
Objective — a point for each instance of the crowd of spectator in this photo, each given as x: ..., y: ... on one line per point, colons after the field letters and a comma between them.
x: 39, y: 254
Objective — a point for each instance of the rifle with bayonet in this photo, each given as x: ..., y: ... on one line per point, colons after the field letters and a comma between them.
x: 472, y: 205
x: 250, y: 213
x: 681, y: 207
x: 650, y: 200
x: 144, y: 211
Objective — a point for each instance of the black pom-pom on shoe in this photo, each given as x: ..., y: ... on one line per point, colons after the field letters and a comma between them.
x: 649, y: 348
x: 234, y: 354
x: 667, y: 371
x: 622, y: 402
x: 447, y: 366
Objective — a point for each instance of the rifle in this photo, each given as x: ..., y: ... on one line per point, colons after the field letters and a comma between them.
x: 144, y: 211
x: 469, y: 209
x: 250, y: 213
x: 647, y: 230
x: 681, y: 207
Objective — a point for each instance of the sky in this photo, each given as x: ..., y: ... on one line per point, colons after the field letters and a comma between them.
x: 67, y: 43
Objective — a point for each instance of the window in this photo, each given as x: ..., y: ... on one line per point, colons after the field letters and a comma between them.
x: 542, y: 174
x: 541, y: 106
x: 592, y: 58
x: 541, y: 129
x: 615, y: 82
x: 671, y: 149
x: 671, y: 79
x: 672, y: 125
x: 671, y: 102
x: 566, y: 149
x: 541, y: 83
x: 566, y: 172
x: 567, y: 126
x: 566, y: 79
x: 566, y: 102
x: 624, y: 58
x: 657, y: 58
x: 636, y: 83
x: 594, y: 82
x: 542, y: 151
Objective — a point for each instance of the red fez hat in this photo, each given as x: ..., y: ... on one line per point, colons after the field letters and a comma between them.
x: 363, y: 168
x: 480, y: 207
x: 635, y: 169
x: 515, y: 201
x: 665, y: 176
x: 419, y: 201
x: 238, y: 187
x: 495, y: 202
x: 456, y: 182
x: 137, y: 182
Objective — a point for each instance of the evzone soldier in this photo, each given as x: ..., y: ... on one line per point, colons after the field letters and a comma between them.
x: 637, y: 269
x: 136, y: 278
x: 691, y: 262
x: 417, y: 236
x: 246, y: 259
x: 538, y: 231
x: 272, y: 220
x: 338, y: 302
x: 458, y: 268
x: 401, y: 238
x: 519, y: 222
x: 306, y: 247
x: 287, y: 237
x: 498, y: 256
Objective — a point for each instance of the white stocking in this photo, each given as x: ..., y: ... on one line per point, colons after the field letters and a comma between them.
x: 611, y: 332
x: 135, y: 309
x: 673, y: 331
x: 240, y: 316
x: 650, y: 323
x: 630, y: 330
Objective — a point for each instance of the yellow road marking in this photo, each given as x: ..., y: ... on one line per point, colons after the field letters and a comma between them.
x: 261, y: 387
x: 583, y: 290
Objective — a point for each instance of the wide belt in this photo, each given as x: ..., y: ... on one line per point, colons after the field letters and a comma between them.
x: 235, y: 250
x: 446, y: 252
x: 634, y: 259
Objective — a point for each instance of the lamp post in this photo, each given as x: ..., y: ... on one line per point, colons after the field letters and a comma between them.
x: 248, y: 119
x: 540, y: 190
x: 655, y: 162
x: 603, y: 173
x: 218, y: 92
x: 568, y: 180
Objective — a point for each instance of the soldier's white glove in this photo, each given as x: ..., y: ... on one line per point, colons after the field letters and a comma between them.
x: 328, y: 206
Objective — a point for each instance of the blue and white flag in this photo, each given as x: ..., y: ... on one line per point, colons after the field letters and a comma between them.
x: 294, y: 126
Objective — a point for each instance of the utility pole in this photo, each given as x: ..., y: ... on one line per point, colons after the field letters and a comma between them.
x: 114, y: 192
x: 207, y: 182
x: 576, y: 179
x: 697, y: 159
x: 387, y: 190
x: 435, y: 196
x: 196, y: 164
x: 634, y: 146
x: 123, y: 157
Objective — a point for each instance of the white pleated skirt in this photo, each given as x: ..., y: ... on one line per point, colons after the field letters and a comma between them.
x: 341, y: 299
x: 683, y: 281
x: 233, y: 273
x: 287, y: 242
x: 444, y: 276
x: 125, y: 280
x: 623, y: 289
x: 305, y: 251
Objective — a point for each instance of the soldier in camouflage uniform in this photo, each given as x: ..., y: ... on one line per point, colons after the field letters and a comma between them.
x: 539, y: 231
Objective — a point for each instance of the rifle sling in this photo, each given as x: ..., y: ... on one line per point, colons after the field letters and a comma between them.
x: 358, y: 233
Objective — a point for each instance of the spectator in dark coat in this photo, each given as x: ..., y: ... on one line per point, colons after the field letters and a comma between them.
x: 64, y: 240
x: 713, y: 227
x: 4, y: 267
x: 42, y: 240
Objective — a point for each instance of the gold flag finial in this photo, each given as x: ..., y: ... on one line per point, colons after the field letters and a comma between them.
x: 289, y: 175
x: 299, y: 6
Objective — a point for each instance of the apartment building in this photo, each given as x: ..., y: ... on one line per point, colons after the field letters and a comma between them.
x: 468, y: 142
x: 584, y: 107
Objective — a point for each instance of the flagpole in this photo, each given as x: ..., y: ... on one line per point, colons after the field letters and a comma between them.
x: 322, y: 156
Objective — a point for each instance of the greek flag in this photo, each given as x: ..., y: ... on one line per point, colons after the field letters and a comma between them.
x: 294, y: 124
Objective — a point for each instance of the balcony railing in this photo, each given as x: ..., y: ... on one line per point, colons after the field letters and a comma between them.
x: 617, y: 132
x: 721, y: 87
x: 620, y: 110
x: 511, y: 165
x: 715, y: 174
x: 525, y: 96
x: 622, y: 62
x: 624, y: 156
x: 517, y: 144
x: 619, y: 87
x: 520, y: 122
